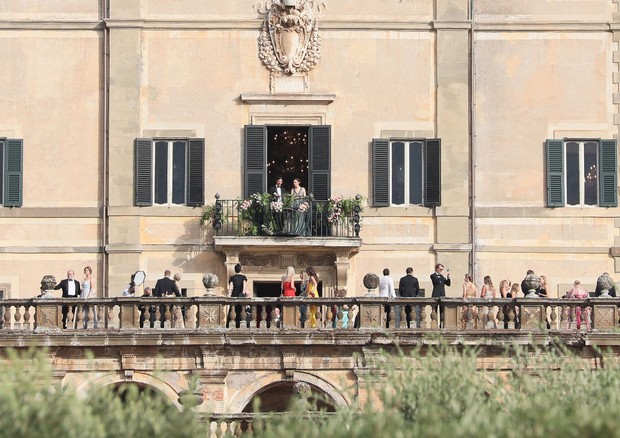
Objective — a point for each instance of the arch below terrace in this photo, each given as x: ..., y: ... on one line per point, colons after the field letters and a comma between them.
x: 244, y: 397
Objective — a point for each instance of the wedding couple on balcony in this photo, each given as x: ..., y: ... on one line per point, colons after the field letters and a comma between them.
x: 294, y: 218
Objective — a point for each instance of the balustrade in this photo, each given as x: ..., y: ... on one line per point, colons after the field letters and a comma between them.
x: 272, y: 314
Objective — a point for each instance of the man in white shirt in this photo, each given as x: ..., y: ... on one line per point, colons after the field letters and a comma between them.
x: 386, y: 290
x: 70, y: 289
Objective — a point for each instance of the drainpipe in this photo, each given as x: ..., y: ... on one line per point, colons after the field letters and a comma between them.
x: 472, y: 138
x: 105, y: 14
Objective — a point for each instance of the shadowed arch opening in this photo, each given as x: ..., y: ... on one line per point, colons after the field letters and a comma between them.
x: 278, y: 397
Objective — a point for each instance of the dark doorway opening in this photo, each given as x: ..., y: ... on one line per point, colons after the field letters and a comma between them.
x: 287, y: 155
x: 278, y: 398
x: 273, y: 289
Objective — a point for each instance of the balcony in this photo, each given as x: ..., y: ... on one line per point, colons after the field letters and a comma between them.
x: 477, y: 317
x: 260, y: 215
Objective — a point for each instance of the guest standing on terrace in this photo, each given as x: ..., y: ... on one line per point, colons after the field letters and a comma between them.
x: 88, y: 291
x: 409, y: 287
x: 300, y: 208
x: 288, y: 283
x: 386, y: 290
x: 70, y: 289
x: 237, y: 284
x: 544, y: 290
x: 439, y: 287
x: 312, y: 292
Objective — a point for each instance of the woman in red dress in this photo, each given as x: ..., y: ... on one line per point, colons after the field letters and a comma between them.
x: 288, y: 283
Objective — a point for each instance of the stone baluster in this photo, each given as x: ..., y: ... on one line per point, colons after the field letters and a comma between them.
x: 238, y: 430
x: 274, y: 318
x: 253, y: 315
x: 147, y: 317
x: 391, y: 317
x: 403, y: 316
x: 318, y: 317
x: 17, y: 318
x: 7, y: 318
x: 470, y: 323
x: 79, y: 317
x: 553, y: 317
x: 573, y: 317
x: 339, y: 317
x: 90, y: 316
x: 353, y: 312
x: 564, y: 318
x: 243, y: 323
x: 500, y: 317
x: 27, y: 324
x: 263, y: 318
x: 70, y: 317
x: 167, y: 316
x: 511, y: 317
x: 434, y: 325
x: 232, y: 314
x: 329, y: 317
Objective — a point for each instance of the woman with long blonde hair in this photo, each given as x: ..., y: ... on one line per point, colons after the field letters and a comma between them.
x: 288, y: 283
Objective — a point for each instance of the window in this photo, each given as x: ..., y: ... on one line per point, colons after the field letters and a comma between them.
x: 169, y: 171
x: 406, y: 172
x: 581, y: 172
x: 11, y: 172
x: 257, y: 145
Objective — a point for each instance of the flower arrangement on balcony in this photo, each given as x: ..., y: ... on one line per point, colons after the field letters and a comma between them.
x: 262, y: 214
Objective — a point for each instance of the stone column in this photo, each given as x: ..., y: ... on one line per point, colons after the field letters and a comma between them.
x: 453, y: 245
x: 126, y: 63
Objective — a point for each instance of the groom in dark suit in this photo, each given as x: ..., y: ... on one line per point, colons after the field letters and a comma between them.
x: 165, y: 286
x: 276, y: 191
x: 70, y: 289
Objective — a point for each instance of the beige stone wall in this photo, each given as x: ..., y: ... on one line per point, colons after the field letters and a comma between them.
x: 541, y: 69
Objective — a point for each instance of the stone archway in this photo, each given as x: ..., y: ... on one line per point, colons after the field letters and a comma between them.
x: 276, y: 384
x: 145, y: 381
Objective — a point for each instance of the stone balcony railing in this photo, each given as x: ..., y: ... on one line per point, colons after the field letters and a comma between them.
x: 276, y: 314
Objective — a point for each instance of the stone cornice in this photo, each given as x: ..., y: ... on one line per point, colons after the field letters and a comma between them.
x: 50, y: 25
x: 288, y: 98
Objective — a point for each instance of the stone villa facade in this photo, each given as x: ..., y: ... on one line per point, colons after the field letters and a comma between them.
x: 482, y: 132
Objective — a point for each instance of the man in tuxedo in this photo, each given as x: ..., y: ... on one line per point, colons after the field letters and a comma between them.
x: 276, y: 191
x: 164, y: 287
x: 439, y: 286
x: 409, y: 287
x: 70, y: 289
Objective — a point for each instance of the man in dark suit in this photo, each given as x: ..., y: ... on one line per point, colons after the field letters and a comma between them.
x: 409, y: 287
x: 277, y: 190
x: 439, y: 287
x: 70, y: 289
x: 164, y: 287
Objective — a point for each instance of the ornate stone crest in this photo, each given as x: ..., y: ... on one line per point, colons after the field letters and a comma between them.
x: 289, y: 42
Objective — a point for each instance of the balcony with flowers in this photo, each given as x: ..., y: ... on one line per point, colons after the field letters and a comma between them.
x: 289, y: 216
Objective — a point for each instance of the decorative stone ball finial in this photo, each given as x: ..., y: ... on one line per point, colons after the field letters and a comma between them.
x: 371, y: 281
x: 48, y: 282
x: 605, y: 283
x: 532, y: 283
x: 210, y: 282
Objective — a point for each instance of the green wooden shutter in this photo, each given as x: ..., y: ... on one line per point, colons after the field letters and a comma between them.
x: 319, y: 178
x: 380, y: 172
x: 432, y: 172
x: 255, y: 159
x: 144, y: 172
x: 555, y: 173
x: 13, y: 171
x: 608, y: 179
x: 196, y: 172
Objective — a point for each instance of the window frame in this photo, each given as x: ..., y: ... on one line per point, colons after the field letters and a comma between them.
x: 145, y: 178
x: 11, y: 172
x: 557, y: 173
x: 382, y: 172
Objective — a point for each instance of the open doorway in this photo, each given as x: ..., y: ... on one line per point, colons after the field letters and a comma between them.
x: 287, y: 155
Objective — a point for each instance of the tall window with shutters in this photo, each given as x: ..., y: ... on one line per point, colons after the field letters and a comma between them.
x: 581, y: 173
x: 406, y: 172
x: 11, y: 168
x: 169, y: 171
x: 319, y: 160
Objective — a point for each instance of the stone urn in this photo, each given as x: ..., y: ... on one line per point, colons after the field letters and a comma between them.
x: 210, y: 282
x: 605, y: 283
x: 371, y: 282
x: 48, y: 283
x: 532, y: 283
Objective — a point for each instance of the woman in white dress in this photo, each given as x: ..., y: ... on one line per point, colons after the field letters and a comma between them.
x: 88, y: 291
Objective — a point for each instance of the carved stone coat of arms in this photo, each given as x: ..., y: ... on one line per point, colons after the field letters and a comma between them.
x: 289, y: 41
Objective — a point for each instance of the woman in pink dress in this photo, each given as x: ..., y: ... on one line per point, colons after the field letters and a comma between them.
x: 579, y: 293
